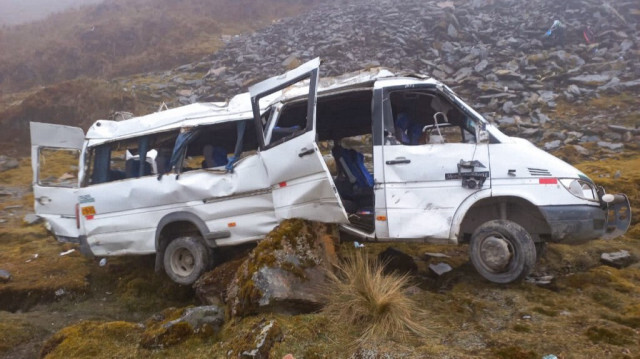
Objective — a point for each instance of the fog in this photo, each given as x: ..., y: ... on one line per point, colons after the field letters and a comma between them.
x: 14, y: 12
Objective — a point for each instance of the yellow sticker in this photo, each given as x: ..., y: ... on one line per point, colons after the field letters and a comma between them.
x: 88, y: 211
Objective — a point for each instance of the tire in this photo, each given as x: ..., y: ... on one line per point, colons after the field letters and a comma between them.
x: 502, y: 251
x: 185, y: 259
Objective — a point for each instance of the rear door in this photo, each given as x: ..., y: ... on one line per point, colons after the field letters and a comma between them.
x: 302, y: 186
x: 55, y: 153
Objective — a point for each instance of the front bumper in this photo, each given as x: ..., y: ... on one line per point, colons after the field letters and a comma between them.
x: 581, y: 223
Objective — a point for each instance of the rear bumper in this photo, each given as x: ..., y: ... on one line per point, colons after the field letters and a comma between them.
x: 581, y: 223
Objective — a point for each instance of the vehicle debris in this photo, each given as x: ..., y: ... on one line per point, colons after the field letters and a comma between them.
x: 67, y: 252
x: 5, y: 276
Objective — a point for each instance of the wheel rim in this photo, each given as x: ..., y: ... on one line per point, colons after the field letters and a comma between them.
x: 182, y: 262
x: 496, y: 253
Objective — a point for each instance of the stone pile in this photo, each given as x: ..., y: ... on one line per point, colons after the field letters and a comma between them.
x: 493, y: 53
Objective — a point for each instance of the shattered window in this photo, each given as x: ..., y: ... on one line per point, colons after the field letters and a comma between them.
x: 219, y: 146
x: 58, y: 167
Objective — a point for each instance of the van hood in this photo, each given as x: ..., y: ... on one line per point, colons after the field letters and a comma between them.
x: 528, y: 161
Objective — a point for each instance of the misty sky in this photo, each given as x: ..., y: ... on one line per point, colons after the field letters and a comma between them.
x: 13, y: 12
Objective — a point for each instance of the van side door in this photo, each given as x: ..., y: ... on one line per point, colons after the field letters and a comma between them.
x: 301, y: 184
x: 55, y: 153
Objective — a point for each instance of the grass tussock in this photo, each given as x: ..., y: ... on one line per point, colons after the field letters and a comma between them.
x: 360, y: 294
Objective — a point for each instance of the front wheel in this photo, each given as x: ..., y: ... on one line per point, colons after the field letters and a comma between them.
x: 185, y: 259
x: 502, y: 251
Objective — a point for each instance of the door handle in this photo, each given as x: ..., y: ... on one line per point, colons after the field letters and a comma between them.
x: 305, y: 152
x: 398, y: 161
x: 43, y: 200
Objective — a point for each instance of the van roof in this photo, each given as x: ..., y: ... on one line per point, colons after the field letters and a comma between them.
x: 239, y: 107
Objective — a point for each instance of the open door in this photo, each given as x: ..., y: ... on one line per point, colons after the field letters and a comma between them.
x: 301, y: 184
x: 55, y: 151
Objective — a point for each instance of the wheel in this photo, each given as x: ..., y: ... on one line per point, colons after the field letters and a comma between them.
x: 502, y: 251
x: 185, y: 259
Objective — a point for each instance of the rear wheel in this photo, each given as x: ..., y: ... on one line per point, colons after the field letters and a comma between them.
x: 185, y: 259
x: 502, y: 251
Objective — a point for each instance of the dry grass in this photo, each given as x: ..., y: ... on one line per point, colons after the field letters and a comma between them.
x: 360, y: 294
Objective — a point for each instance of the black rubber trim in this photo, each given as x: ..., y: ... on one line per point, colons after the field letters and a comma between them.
x: 575, y: 223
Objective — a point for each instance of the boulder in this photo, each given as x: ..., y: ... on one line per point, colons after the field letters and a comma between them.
x: 211, y: 287
x: 284, y: 272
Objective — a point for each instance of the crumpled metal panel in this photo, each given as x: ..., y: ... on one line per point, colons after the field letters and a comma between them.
x: 127, y: 212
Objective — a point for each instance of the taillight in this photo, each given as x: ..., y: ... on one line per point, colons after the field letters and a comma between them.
x: 78, y: 215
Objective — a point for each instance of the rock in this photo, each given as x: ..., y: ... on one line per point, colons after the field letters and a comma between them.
x: 283, y: 272
x: 8, y: 163
x: 480, y: 66
x: 161, y: 332
x: 541, y: 280
x: 553, y: 145
x: 397, y: 261
x: 591, y: 80
x: 5, y: 276
x: 619, y: 129
x: 581, y: 150
x: 611, y: 146
x: 440, y: 268
x: 211, y: 287
x: 31, y: 218
x: 452, y: 31
x: 291, y: 62
x: 619, y: 259
x: 521, y: 108
x: 573, y: 90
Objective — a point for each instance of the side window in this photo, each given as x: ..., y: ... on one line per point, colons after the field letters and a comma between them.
x: 58, y: 167
x: 421, y: 117
x: 220, y: 145
x: 288, y: 122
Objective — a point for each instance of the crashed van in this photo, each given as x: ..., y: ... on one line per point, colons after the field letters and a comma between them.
x: 389, y: 158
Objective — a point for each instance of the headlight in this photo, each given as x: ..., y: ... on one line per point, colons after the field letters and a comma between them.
x: 579, y: 188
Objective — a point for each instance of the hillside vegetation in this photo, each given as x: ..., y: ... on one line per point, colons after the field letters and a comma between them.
x: 122, y: 37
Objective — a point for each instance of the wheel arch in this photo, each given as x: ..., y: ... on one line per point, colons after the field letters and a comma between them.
x: 172, y: 224
x: 513, y: 208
